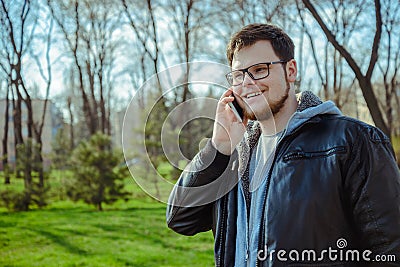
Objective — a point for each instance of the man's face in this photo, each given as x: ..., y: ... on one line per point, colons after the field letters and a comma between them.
x: 263, y: 98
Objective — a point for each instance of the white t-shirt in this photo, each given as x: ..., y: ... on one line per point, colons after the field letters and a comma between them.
x: 263, y: 157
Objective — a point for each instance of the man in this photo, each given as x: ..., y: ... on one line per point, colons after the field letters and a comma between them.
x: 304, y: 185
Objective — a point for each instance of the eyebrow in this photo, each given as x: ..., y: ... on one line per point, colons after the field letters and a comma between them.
x: 260, y: 62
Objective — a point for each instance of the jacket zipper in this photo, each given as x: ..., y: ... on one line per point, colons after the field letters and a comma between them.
x: 247, y: 230
x: 248, y: 214
x: 302, y: 155
x: 222, y: 239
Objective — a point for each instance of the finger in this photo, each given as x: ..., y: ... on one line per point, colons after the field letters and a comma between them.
x: 228, y: 92
x: 227, y: 99
x: 223, y: 102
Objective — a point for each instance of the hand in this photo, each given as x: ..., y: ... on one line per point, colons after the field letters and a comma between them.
x: 228, y: 131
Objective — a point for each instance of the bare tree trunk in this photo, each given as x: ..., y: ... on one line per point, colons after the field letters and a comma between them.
x: 71, y: 124
x: 29, y: 141
x: 326, y: 82
x: 17, y: 119
x: 39, y: 129
x: 103, y: 112
x: 6, y: 168
x: 188, y: 11
x: 16, y: 115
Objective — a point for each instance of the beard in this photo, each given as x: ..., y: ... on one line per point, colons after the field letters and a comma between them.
x: 272, y: 108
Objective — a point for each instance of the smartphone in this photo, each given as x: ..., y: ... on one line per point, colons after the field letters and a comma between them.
x: 237, y: 110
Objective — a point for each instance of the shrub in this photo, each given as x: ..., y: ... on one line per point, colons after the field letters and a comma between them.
x: 96, y: 178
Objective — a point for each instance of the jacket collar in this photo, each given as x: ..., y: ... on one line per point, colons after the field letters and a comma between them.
x: 305, y: 100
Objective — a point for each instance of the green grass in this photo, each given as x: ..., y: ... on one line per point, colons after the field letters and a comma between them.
x: 132, y: 233
x: 396, y: 147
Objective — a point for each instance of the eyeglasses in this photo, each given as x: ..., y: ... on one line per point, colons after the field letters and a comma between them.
x: 256, y: 72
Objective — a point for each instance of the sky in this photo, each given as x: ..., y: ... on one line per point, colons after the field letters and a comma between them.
x: 123, y: 85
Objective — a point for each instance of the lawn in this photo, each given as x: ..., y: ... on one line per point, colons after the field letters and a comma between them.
x: 396, y: 147
x: 132, y: 233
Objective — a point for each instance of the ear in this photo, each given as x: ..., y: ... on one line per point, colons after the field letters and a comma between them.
x: 291, y: 70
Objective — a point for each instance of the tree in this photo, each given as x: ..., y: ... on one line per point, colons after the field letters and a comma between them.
x: 97, y: 178
x: 38, y: 124
x: 190, y: 28
x: 143, y: 22
x: 365, y: 80
x: 389, y: 66
x: 88, y: 27
x: 6, y: 168
x: 17, y: 32
x: 332, y: 71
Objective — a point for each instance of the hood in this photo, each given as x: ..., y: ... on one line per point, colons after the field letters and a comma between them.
x: 309, y: 105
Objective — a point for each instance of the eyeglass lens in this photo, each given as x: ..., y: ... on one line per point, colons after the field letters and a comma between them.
x: 256, y: 72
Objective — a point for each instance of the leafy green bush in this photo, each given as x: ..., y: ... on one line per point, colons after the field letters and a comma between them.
x: 96, y: 178
x: 13, y: 200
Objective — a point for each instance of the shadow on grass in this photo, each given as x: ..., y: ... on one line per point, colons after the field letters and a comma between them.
x: 60, y: 241
x: 7, y: 224
x: 88, y: 209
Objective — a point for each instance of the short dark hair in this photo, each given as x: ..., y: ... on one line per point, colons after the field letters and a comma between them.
x: 281, y: 43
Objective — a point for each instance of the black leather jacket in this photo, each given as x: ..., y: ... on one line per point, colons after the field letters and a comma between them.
x: 332, y: 178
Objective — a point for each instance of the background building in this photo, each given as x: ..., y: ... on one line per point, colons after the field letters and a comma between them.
x: 53, y: 121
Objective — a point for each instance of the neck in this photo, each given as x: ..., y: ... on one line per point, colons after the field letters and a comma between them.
x: 278, y: 122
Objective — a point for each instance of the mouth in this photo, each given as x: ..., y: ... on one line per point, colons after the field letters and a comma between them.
x: 253, y: 94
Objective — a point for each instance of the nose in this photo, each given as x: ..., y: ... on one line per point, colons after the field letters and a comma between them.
x: 247, y: 82
x: 247, y: 79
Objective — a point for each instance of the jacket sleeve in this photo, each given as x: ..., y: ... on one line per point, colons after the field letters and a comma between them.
x: 191, y: 203
x: 374, y: 181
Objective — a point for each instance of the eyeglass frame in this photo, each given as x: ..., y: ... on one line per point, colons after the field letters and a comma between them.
x: 246, y: 70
